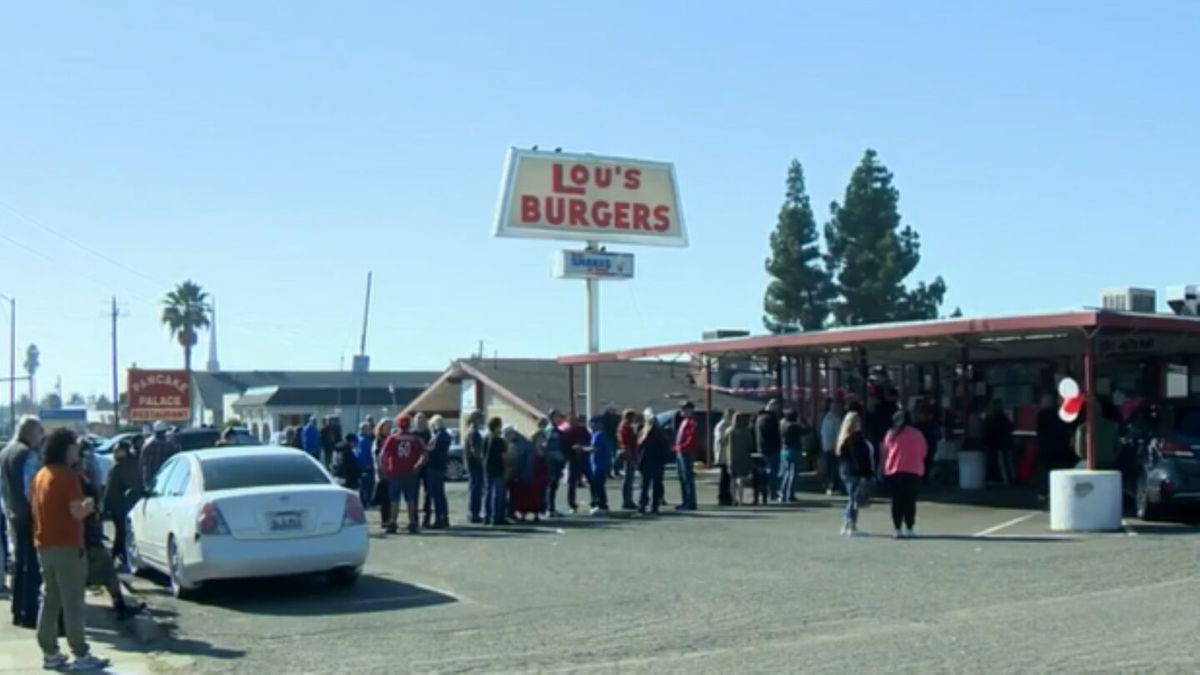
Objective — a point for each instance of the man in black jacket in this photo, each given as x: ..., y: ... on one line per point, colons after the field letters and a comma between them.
x: 122, y: 492
x: 770, y: 442
x: 495, y: 507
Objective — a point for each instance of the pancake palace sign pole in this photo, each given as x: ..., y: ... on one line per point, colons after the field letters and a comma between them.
x: 594, y: 199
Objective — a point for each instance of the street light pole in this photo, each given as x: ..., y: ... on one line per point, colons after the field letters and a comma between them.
x: 12, y: 361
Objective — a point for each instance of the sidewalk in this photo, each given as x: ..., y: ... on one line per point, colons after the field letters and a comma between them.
x: 19, y: 652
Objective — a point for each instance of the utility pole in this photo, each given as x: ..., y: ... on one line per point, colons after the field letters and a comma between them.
x: 12, y: 361
x: 115, y: 401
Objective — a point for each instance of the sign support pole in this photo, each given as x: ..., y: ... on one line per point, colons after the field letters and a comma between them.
x: 592, y: 308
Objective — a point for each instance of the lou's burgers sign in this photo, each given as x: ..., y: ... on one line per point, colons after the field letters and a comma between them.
x: 159, y: 395
x: 551, y: 195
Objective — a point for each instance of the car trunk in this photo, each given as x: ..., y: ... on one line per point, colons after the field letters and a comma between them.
x: 282, y: 512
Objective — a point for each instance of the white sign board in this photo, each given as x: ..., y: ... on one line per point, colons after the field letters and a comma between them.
x: 593, y: 265
x: 552, y: 195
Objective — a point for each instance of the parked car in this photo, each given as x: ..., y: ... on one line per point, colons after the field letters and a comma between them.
x: 195, y: 439
x: 1159, y: 460
x: 225, y: 513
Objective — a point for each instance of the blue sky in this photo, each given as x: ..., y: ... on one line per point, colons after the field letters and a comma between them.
x: 276, y: 151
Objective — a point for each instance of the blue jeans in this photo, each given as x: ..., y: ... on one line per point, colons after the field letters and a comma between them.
x: 787, y: 477
x: 627, y: 487
x: 495, y: 502
x: 475, y: 489
x: 599, y: 494
x: 773, y: 473
x: 853, y: 485
x: 556, y: 472
x: 435, y: 492
x: 27, y: 575
x: 687, y: 479
x: 366, y: 491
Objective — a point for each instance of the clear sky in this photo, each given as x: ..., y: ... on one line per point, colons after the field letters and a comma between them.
x: 277, y: 151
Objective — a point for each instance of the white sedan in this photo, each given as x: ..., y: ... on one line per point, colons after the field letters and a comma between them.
x: 244, y: 512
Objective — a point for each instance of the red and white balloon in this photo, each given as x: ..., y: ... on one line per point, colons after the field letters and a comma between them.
x: 1072, y: 400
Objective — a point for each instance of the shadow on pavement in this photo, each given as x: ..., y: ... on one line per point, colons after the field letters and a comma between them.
x: 1167, y: 529
x: 103, y: 628
x: 312, y: 595
x: 969, y: 538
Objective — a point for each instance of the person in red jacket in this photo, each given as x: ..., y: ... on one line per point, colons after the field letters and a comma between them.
x: 401, y: 460
x: 687, y: 447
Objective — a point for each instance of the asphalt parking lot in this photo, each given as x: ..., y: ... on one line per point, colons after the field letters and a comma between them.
x: 984, y: 589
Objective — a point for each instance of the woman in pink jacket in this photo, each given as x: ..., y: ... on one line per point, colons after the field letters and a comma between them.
x: 903, y: 465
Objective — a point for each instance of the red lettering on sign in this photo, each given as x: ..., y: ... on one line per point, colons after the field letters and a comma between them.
x: 577, y: 212
x: 621, y: 215
x: 641, y: 217
x: 553, y: 217
x: 633, y: 179
x: 601, y: 215
x: 531, y: 209
x: 604, y: 176
x: 579, y: 175
x: 557, y: 185
x: 662, y: 217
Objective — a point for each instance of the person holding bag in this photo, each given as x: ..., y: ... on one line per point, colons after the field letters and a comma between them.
x: 855, y: 465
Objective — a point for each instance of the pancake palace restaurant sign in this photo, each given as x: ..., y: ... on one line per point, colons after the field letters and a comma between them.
x: 552, y: 195
x: 155, y: 395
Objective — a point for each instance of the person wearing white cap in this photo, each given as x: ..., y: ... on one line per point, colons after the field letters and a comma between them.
x: 155, y: 453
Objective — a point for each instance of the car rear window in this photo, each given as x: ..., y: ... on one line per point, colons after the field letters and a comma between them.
x: 231, y: 473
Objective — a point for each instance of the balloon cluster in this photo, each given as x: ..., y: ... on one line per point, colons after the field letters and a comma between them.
x: 1072, y: 400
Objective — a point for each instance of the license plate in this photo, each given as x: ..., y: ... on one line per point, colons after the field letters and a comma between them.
x: 286, y: 520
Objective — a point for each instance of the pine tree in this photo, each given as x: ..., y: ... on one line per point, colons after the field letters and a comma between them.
x: 870, y: 254
x: 798, y: 296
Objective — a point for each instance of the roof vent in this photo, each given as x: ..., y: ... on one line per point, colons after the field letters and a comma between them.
x: 1184, y: 300
x: 1129, y: 299
x: 723, y: 334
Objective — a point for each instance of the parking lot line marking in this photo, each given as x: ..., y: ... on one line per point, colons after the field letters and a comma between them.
x: 1007, y: 523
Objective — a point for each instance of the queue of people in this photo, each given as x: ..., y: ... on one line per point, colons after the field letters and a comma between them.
x: 53, y: 508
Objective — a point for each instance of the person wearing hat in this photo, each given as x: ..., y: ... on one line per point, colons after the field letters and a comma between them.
x: 599, y: 464
x: 401, y: 460
x: 556, y: 460
x: 687, y: 447
x: 155, y: 453
x: 473, y: 452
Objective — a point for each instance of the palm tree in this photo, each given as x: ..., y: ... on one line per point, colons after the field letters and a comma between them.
x: 32, y: 362
x: 185, y: 311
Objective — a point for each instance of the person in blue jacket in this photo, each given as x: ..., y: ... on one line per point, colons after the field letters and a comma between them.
x: 366, y: 462
x: 310, y: 438
x: 599, y: 464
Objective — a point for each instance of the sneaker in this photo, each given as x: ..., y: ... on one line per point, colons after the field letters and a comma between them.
x: 90, y: 662
x: 897, y: 534
x: 57, y: 661
x: 844, y: 531
x: 910, y: 533
x: 595, y: 511
x: 828, y: 492
x: 413, y: 529
x: 853, y: 530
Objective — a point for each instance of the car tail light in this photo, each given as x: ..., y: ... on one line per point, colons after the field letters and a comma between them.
x: 1173, y: 449
x: 354, y: 514
x: 210, y: 521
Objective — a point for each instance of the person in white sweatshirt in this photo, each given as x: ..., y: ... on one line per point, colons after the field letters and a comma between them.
x: 831, y: 424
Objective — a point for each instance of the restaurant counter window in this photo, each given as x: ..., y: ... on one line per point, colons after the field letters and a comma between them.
x: 1177, y: 380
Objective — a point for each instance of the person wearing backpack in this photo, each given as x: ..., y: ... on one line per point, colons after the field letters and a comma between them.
x: 855, y: 464
x: 402, y: 459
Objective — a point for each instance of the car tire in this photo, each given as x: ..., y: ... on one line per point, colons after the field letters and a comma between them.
x: 455, y: 471
x: 180, y: 587
x: 1144, y: 508
x: 344, y: 577
x: 133, y: 559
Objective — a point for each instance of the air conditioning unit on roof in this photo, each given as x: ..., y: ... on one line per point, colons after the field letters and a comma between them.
x: 1184, y: 300
x: 1129, y: 299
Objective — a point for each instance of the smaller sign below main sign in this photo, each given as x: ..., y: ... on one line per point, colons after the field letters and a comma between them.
x: 593, y: 265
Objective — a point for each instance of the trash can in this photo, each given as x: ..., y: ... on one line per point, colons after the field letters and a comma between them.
x: 972, y: 469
